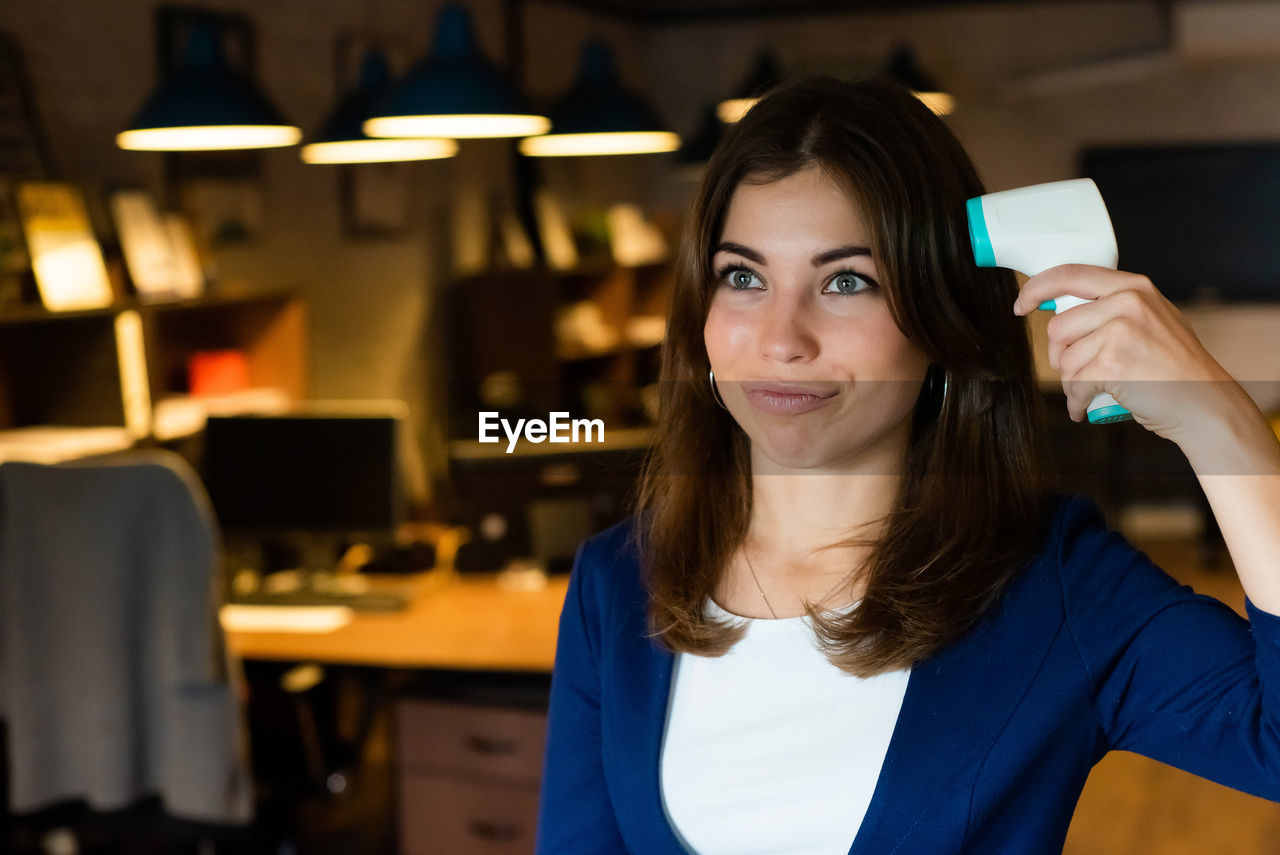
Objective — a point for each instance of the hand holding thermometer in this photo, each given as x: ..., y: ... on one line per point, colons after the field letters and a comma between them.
x: 1031, y: 229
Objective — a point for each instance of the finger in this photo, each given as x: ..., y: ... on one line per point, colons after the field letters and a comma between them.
x: 1068, y: 327
x: 1080, y: 361
x: 1079, y: 280
x: 1080, y: 394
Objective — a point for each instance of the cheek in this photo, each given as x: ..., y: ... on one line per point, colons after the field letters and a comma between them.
x: 877, y: 350
x: 724, y: 334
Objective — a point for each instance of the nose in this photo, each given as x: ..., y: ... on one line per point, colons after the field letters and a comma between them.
x: 788, y: 333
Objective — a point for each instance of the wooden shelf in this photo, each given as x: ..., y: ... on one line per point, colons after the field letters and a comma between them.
x: 65, y: 369
x: 536, y: 341
x: 25, y: 313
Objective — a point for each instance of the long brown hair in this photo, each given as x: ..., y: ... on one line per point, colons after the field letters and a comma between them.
x: 972, y: 498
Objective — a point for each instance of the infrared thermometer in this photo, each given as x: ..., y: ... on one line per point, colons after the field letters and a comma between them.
x: 1030, y: 229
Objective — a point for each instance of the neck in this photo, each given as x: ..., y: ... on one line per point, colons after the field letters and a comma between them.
x: 798, y: 518
x: 794, y: 512
x: 796, y: 515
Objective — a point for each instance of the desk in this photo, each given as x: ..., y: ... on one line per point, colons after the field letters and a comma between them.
x: 470, y: 623
x: 466, y: 777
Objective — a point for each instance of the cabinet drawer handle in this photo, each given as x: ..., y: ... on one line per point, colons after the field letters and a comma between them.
x: 493, y: 831
x: 491, y: 746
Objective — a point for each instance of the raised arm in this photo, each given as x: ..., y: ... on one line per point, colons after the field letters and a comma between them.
x: 1134, y: 344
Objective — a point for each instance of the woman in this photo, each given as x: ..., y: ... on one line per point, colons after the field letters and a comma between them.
x: 849, y: 617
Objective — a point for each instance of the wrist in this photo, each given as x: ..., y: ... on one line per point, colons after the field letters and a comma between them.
x: 1231, y: 437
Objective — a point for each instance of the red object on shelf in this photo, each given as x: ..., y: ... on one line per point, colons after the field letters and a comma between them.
x: 217, y: 372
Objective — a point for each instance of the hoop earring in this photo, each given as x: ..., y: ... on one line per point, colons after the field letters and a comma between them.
x: 715, y: 392
x: 946, y: 387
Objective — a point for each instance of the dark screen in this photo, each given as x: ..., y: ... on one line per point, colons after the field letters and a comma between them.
x: 308, y: 473
x: 1201, y: 221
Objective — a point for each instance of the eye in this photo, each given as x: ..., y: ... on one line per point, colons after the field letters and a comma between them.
x: 848, y: 282
x: 739, y: 278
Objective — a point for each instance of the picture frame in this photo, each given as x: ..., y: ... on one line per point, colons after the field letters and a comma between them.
x: 373, y: 198
x: 158, y: 247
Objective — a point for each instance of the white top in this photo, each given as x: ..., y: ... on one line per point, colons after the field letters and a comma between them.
x: 771, y: 749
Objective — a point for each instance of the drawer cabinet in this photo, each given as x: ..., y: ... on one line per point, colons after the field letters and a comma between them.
x: 467, y: 777
x: 447, y: 816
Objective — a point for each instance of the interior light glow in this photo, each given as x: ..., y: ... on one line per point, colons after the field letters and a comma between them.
x: 731, y: 110
x: 378, y: 151
x: 208, y: 137
x: 567, y: 145
x: 474, y: 126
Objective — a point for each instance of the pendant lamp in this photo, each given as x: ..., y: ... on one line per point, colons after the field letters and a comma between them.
x: 206, y: 105
x: 762, y: 76
x: 697, y: 149
x: 599, y: 115
x: 905, y: 69
x: 342, y: 139
x: 454, y: 92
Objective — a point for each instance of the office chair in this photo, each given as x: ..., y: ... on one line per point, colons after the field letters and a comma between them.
x: 114, y: 684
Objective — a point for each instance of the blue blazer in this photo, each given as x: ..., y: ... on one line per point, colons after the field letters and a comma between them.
x: 1091, y: 649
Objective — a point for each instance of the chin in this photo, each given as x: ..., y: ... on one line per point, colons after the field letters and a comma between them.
x: 825, y: 452
x: 802, y: 451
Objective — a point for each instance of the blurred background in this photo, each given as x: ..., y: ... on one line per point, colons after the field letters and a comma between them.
x: 304, y: 335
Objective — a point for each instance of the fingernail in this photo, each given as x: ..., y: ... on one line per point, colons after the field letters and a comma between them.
x: 1048, y: 306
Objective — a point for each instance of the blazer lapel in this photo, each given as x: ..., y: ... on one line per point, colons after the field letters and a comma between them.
x: 643, y: 689
x: 956, y: 704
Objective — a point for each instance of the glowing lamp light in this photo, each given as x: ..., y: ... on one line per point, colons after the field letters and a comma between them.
x: 761, y: 77
x: 342, y: 139
x: 206, y: 105
x: 599, y: 116
x: 454, y: 92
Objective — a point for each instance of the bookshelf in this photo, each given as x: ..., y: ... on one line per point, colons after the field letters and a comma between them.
x: 93, y: 369
x: 530, y: 342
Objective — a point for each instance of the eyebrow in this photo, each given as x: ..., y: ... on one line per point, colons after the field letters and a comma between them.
x: 818, y: 260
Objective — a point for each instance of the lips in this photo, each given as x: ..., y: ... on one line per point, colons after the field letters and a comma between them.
x: 786, y: 398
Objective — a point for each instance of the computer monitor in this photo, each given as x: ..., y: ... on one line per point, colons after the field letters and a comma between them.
x: 309, y: 478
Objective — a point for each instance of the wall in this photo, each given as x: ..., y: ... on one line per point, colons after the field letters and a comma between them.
x: 375, y: 303
x: 1035, y: 82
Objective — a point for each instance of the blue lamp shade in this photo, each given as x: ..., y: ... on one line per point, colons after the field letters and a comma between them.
x: 696, y: 150
x: 206, y: 105
x: 454, y: 92
x: 342, y: 139
x: 763, y: 75
x: 600, y: 116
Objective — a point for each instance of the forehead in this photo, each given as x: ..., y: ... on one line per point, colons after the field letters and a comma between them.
x: 809, y: 202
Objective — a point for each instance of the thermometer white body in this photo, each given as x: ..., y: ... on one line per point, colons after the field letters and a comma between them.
x: 1030, y: 229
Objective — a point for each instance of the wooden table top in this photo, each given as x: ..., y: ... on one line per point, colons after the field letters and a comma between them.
x: 473, y: 623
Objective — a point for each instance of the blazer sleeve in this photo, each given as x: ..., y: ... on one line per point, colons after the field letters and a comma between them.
x: 1175, y: 676
x: 575, y: 814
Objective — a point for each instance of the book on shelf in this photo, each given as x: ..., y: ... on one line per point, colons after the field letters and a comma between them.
x: 65, y: 257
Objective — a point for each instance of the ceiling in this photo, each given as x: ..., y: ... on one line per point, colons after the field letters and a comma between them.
x: 682, y: 11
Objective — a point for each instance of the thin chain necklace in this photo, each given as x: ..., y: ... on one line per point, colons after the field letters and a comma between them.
x: 760, y: 588
x: 767, y: 604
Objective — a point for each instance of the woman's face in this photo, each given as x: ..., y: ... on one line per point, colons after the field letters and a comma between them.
x: 806, y: 355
